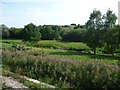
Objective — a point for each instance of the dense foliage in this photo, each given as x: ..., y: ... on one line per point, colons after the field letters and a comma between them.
x: 64, y: 73
x: 4, y: 33
x: 73, y: 35
x: 31, y: 33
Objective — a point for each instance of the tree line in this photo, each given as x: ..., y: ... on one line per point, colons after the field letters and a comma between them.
x: 99, y: 31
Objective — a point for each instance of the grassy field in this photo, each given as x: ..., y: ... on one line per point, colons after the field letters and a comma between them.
x: 61, y: 45
x: 75, y: 55
x: 51, y: 44
x: 55, y: 48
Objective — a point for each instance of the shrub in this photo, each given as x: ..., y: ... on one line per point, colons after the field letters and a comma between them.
x: 73, y: 74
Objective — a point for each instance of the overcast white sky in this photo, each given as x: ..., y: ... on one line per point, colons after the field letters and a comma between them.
x: 17, y: 13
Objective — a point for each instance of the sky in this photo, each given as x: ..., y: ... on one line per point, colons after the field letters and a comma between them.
x: 17, y: 13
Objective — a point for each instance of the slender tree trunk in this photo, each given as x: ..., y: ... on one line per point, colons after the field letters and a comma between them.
x: 94, y: 51
x: 112, y: 51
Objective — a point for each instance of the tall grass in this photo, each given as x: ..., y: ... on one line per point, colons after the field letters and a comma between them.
x: 64, y: 73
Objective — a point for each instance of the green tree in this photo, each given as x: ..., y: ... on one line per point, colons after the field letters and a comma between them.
x: 31, y: 33
x: 47, y: 32
x: 50, y: 32
x: 118, y: 29
x: 4, y: 31
x: 112, y: 39
x: 93, y: 33
x: 56, y: 32
x: 109, y: 19
x: 57, y: 35
x: 110, y: 36
x: 73, y: 35
x: 15, y: 33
